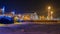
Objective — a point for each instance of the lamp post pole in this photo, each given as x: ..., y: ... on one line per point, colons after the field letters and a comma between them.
x: 49, y: 13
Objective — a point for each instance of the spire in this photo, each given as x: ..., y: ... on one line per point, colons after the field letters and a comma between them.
x: 3, y: 10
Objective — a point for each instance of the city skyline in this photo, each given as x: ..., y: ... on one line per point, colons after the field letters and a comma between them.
x: 29, y: 6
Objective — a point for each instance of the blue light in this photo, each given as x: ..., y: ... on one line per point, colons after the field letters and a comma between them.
x: 13, y: 12
x: 3, y: 10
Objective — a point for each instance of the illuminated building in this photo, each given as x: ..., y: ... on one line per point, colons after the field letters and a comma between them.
x: 51, y: 14
x: 42, y: 17
x: 16, y: 19
x: 26, y: 17
x: 20, y: 16
x: 35, y: 16
x: 32, y: 16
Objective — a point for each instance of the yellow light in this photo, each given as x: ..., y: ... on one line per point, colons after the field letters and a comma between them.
x: 42, y: 17
x: 49, y: 7
x: 51, y: 12
x: 15, y: 18
x: 26, y: 17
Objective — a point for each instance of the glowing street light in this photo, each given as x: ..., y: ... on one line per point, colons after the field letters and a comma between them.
x: 49, y: 7
x: 51, y: 12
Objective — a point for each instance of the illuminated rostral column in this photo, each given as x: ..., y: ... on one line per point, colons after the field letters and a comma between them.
x: 50, y: 13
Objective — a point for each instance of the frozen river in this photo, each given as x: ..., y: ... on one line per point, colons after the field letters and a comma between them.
x: 31, y: 29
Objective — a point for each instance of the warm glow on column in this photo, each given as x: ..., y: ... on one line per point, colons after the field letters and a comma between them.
x: 49, y: 7
x: 51, y: 12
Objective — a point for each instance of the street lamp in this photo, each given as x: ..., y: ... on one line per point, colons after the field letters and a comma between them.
x: 49, y: 7
x: 49, y: 13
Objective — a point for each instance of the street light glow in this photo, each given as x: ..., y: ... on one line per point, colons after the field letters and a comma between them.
x: 49, y: 7
x: 51, y: 12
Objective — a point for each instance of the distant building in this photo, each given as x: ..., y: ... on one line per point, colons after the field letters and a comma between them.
x: 42, y: 17
x: 32, y: 16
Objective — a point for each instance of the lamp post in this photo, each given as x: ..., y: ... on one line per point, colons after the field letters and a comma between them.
x: 49, y: 13
x: 49, y: 7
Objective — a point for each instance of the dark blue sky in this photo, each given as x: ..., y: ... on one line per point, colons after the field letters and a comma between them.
x: 23, y: 6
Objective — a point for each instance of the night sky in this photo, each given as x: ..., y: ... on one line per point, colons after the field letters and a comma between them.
x: 29, y: 6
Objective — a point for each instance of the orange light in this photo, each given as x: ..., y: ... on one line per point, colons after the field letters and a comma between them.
x: 26, y: 17
x: 51, y: 12
x: 49, y: 7
x: 42, y: 17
